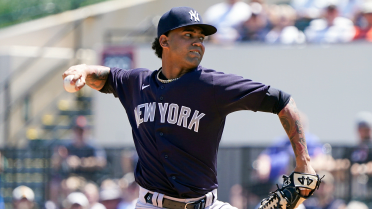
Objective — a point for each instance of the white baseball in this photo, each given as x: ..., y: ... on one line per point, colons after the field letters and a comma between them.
x: 67, y: 84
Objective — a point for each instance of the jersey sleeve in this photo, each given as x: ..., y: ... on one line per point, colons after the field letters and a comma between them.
x: 234, y: 93
x: 115, y: 81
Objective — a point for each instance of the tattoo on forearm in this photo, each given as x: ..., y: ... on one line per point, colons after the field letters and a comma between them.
x: 285, y: 124
x: 290, y: 119
x: 303, y: 143
x: 98, y: 78
x: 299, y: 146
x: 298, y: 127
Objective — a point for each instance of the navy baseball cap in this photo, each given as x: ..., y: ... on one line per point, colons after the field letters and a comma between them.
x: 183, y: 16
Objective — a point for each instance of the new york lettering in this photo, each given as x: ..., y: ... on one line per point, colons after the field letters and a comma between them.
x: 170, y: 113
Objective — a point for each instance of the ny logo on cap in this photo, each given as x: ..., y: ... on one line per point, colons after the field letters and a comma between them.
x: 195, y: 15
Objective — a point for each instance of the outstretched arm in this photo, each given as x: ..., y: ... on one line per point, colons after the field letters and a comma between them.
x: 94, y: 76
x: 290, y: 119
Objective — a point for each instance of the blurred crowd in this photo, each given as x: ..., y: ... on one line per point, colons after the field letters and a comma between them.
x: 78, y: 193
x: 301, y: 21
x: 77, y: 179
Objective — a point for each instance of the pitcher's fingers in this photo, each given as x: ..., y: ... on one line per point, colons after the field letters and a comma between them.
x: 65, y: 74
x: 82, y: 80
x: 77, y: 76
x: 304, y: 192
x: 80, y: 84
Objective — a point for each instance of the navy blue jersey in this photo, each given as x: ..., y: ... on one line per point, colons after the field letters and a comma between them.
x: 177, y: 126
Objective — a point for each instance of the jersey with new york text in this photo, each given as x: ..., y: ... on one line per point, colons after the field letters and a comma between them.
x: 177, y: 126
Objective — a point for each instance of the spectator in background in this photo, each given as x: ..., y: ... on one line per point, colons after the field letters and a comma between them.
x: 59, y: 192
x: 350, y: 8
x: 92, y: 194
x: 68, y: 186
x: 23, y: 197
x: 76, y: 200
x: 364, y: 32
x: 308, y: 10
x: 361, y: 156
x: 227, y: 17
x: 130, y: 191
x: 283, y: 17
x: 110, y: 193
x: 257, y: 26
x: 79, y: 157
x: 364, y: 126
x: 330, y: 29
x: 324, y: 197
x: 312, y: 9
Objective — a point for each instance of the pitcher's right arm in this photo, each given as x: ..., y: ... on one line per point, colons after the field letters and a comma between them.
x: 94, y: 76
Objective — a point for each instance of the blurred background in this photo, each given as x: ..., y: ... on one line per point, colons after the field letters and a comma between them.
x: 63, y: 150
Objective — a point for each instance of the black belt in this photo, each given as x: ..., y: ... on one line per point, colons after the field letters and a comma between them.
x: 171, y: 204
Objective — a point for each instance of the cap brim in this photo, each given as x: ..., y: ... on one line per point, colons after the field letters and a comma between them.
x: 207, y: 29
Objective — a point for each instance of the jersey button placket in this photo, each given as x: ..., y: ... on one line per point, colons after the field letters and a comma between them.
x: 161, y: 134
x: 162, y: 87
x: 174, y: 177
x: 166, y: 156
x: 161, y: 98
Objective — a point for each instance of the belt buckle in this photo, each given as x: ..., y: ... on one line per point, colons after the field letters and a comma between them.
x: 200, y: 204
x: 189, y: 203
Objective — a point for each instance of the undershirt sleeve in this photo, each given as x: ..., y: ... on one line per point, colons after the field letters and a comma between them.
x: 274, y: 101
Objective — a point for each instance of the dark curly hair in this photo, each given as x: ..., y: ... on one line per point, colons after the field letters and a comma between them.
x: 157, y: 47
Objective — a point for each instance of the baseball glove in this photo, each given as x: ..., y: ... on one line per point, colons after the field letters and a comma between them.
x: 289, y: 197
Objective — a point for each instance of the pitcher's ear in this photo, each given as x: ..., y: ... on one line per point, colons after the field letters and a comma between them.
x: 163, y: 40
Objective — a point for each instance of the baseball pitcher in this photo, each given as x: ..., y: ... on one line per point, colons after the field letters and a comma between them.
x: 178, y: 112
